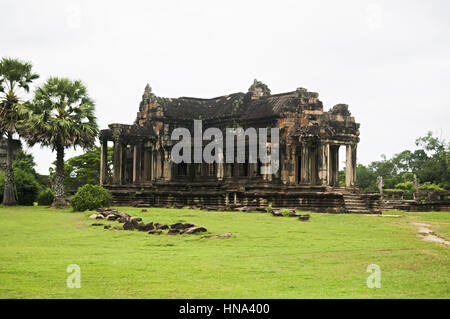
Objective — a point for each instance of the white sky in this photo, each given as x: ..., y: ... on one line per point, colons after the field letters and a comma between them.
x: 389, y: 60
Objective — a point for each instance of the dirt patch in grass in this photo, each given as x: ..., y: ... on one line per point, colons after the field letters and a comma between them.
x: 426, y: 233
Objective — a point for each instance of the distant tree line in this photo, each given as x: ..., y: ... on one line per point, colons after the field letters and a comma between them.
x: 430, y: 163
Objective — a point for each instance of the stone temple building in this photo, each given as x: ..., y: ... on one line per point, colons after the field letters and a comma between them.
x: 143, y: 172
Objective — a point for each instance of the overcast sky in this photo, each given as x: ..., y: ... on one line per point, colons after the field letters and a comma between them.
x: 389, y: 60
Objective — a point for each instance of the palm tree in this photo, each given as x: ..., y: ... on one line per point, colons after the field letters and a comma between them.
x: 15, y: 77
x: 61, y: 116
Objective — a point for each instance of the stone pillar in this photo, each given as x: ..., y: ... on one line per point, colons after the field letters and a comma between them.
x: 323, y: 164
x: 354, y: 148
x: 159, y: 165
x: 330, y: 166
x: 167, y: 166
x: 103, y: 160
x: 117, y: 164
x: 416, y: 187
x: 153, y: 166
x: 123, y: 164
x: 349, y: 167
x: 306, y: 173
x: 137, y: 163
x: 147, y: 166
x: 220, y: 165
x: 285, y: 168
x: 336, y: 167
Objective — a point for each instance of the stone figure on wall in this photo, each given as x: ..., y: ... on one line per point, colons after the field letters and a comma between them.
x: 416, y: 187
x: 380, y: 185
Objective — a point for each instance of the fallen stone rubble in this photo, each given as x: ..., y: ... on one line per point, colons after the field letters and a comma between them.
x: 292, y: 213
x: 135, y: 223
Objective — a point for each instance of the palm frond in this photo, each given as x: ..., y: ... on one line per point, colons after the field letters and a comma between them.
x: 61, y: 113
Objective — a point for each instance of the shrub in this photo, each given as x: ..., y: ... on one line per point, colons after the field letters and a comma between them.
x: 89, y: 197
x: 269, y: 208
x: 27, y: 187
x: 430, y: 187
x: 45, y: 197
x: 406, y: 187
x: 285, y: 212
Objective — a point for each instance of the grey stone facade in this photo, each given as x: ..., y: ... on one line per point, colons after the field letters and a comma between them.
x: 310, y: 138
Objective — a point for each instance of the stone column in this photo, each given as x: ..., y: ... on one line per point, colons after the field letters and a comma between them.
x: 323, y: 164
x: 220, y: 165
x: 147, y: 166
x: 137, y: 162
x: 305, y: 165
x: 314, y: 165
x: 153, y: 166
x: 285, y: 168
x: 167, y: 166
x: 354, y: 148
x: 330, y: 166
x: 103, y: 160
x: 123, y: 162
x: 159, y: 168
x: 117, y: 164
x: 416, y: 187
x: 336, y: 166
x: 349, y: 167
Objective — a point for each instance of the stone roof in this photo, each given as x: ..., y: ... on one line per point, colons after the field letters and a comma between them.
x: 256, y: 103
x: 196, y: 108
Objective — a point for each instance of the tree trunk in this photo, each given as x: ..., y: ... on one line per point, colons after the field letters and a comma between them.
x: 9, y: 196
x: 60, y: 197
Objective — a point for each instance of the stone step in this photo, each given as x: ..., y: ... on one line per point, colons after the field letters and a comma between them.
x: 354, y: 201
x: 358, y: 212
x: 353, y: 198
x: 354, y: 204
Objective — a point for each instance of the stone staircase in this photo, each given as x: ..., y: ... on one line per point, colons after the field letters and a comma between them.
x: 354, y: 204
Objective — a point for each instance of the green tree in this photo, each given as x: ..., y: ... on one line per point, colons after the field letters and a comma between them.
x: 84, y: 169
x: 15, y: 77
x: 25, y: 162
x: 26, y: 180
x: 436, y: 169
x: 430, y: 163
x: 61, y: 116
x: 366, y: 178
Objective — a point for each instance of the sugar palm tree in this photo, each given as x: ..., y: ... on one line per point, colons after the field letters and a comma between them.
x: 15, y: 77
x: 61, y: 116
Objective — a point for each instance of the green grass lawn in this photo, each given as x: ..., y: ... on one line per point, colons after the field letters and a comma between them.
x: 266, y: 257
